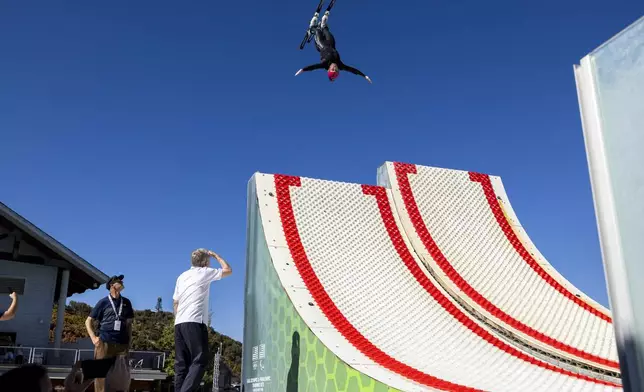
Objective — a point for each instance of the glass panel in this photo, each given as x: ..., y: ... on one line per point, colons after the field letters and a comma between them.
x: 611, y: 90
x: 619, y: 79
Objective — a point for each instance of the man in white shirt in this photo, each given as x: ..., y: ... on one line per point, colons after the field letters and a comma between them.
x: 191, y: 297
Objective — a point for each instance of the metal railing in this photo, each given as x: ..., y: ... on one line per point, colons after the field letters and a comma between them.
x: 14, y: 355
x: 53, y: 356
x: 66, y: 357
x: 138, y: 360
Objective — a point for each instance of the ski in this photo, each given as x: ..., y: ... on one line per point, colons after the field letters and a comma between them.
x: 331, y: 4
x: 308, y: 36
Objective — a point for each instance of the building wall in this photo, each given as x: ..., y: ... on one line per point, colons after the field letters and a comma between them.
x: 31, y: 323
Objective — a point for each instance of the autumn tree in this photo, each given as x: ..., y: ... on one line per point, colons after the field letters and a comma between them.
x: 152, y: 331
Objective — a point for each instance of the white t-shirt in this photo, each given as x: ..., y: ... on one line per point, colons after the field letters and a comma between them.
x: 192, y: 291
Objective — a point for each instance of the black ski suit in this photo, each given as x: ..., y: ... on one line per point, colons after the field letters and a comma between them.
x: 325, y: 44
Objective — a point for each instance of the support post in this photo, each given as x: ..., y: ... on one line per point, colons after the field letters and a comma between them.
x: 62, y: 302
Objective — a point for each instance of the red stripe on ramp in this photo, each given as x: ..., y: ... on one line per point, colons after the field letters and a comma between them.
x: 422, y: 231
x: 493, y: 202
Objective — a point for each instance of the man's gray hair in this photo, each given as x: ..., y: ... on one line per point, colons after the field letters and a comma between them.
x: 200, y: 258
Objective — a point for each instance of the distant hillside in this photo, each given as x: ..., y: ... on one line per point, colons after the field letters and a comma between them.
x: 153, y: 331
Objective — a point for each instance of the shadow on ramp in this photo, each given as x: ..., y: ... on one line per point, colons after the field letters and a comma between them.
x: 293, y: 372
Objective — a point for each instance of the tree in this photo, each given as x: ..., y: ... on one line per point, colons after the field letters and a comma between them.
x: 166, y: 344
x: 159, y: 306
x: 74, y: 327
x: 152, y: 331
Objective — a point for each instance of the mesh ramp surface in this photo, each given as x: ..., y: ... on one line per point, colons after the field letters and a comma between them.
x: 462, y: 225
x: 349, y: 270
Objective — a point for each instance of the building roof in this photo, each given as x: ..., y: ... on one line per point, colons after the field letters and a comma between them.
x: 36, y: 246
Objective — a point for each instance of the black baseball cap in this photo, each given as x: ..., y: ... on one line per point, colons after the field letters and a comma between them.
x: 113, y: 279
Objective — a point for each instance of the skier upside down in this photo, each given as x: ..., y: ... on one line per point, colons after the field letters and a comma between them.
x: 329, y: 56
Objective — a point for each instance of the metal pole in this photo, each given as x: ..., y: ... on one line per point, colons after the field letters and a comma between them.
x: 215, y: 371
x: 60, y: 318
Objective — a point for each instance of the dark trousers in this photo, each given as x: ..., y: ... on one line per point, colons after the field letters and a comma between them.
x: 191, y: 355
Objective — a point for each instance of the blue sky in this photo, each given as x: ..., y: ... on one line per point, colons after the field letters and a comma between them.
x: 130, y: 129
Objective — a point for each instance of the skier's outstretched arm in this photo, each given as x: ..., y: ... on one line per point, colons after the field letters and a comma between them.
x: 354, y: 71
x: 310, y: 68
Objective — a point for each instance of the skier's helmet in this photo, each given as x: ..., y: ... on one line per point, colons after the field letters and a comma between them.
x: 333, y: 74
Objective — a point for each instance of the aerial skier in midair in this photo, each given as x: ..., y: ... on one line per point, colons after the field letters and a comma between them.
x: 325, y: 44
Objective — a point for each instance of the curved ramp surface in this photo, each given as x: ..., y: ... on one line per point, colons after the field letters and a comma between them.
x: 348, y: 268
x: 462, y: 227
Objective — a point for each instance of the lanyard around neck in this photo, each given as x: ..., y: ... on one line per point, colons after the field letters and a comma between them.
x: 114, y: 307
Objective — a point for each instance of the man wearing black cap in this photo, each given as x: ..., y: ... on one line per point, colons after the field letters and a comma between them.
x: 114, y: 314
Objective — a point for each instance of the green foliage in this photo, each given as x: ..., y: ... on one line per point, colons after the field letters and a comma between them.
x: 74, y: 328
x: 152, y: 331
x: 166, y: 343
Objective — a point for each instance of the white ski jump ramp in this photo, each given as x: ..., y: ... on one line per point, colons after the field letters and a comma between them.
x: 464, y: 229
x: 344, y: 259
